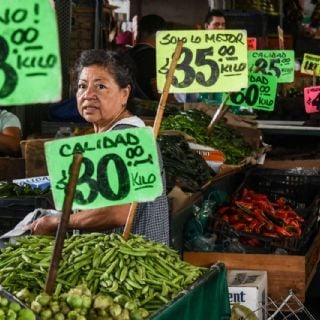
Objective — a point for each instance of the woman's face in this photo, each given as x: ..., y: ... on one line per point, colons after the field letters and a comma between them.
x: 99, y: 97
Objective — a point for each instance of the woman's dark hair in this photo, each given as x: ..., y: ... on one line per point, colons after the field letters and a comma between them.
x: 118, y: 65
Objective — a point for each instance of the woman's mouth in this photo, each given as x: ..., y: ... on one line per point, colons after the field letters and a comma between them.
x: 89, y: 109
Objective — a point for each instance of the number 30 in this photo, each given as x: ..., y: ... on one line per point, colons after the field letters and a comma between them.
x: 102, y: 184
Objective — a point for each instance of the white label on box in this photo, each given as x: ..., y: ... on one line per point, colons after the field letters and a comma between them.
x: 249, y: 288
x: 35, y: 182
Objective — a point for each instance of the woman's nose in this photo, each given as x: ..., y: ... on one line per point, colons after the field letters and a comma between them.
x: 90, y: 92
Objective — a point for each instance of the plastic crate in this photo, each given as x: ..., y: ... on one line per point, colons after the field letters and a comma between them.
x: 14, y: 209
x: 301, y: 190
x: 206, y: 299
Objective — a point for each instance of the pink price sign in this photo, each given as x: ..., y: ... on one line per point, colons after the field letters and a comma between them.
x: 252, y: 43
x: 312, y: 99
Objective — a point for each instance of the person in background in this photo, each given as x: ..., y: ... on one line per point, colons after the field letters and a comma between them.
x: 104, y: 86
x: 215, y: 20
x: 10, y: 133
x: 143, y: 55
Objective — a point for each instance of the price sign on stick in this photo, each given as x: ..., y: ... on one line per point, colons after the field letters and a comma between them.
x: 260, y: 94
x: 312, y: 99
x: 118, y: 167
x: 278, y: 63
x: 210, y: 61
x: 30, y: 68
x: 310, y: 64
x: 252, y: 43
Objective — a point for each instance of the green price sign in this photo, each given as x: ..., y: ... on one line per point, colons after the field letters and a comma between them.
x: 118, y: 167
x: 278, y: 63
x: 30, y: 67
x: 310, y: 64
x: 210, y: 61
x: 260, y: 94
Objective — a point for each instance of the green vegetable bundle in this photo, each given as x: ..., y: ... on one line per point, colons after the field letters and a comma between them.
x: 149, y: 273
x: 184, y: 167
x: 10, y: 189
x: 222, y: 137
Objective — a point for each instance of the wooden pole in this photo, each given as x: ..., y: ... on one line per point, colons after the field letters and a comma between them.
x: 281, y: 38
x: 156, y: 127
x: 63, y: 224
x: 219, y: 113
x: 164, y: 96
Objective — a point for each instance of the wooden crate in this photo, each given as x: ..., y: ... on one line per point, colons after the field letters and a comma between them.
x: 285, y: 272
x: 35, y: 160
x: 11, y: 168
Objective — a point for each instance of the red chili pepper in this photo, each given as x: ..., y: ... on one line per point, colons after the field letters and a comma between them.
x: 281, y: 201
x: 233, y: 218
x: 280, y: 213
x: 243, y: 204
x: 251, y: 242
x: 291, y: 222
x: 239, y: 226
x: 258, y: 213
x: 244, y: 215
x: 283, y: 231
x: 270, y: 234
x: 225, y: 218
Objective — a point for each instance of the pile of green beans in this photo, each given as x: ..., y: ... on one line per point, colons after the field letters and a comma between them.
x: 150, y: 273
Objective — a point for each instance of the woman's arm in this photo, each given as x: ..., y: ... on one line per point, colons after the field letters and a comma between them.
x: 92, y: 220
x: 10, y: 140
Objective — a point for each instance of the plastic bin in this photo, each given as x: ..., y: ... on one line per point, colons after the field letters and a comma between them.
x: 301, y: 190
x: 206, y: 299
x: 14, y: 209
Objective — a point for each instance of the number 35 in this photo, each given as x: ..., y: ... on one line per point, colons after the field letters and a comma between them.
x: 202, y: 58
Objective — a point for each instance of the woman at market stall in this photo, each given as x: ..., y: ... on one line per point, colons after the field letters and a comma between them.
x: 104, y: 86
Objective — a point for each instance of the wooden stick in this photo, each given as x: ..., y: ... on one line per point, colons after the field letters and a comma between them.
x: 156, y: 127
x: 219, y: 113
x: 63, y: 224
x: 164, y: 96
x: 281, y: 39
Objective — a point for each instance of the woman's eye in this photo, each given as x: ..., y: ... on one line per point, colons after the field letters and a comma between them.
x: 81, y: 86
x: 100, y: 86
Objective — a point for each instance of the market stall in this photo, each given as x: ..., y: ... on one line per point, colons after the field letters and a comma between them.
x: 212, y: 156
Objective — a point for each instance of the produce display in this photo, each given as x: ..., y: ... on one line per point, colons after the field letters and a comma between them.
x: 149, y: 274
x: 80, y: 304
x: 254, y: 213
x: 222, y: 137
x: 12, y: 310
x: 184, y: 167
x: 10, y: 189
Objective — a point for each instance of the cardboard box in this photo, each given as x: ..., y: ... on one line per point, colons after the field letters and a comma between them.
x: 250, y: 289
